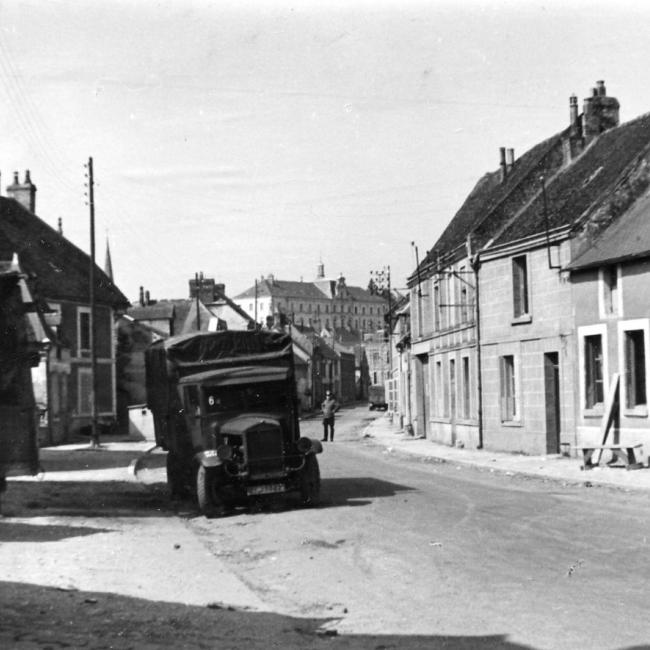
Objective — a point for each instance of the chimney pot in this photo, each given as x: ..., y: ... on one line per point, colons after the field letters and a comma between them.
x: 502, y: 163
x: 24, y: 193
x: 600, y: 85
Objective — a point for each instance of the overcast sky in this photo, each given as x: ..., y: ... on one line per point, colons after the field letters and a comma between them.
x: 246, y: 138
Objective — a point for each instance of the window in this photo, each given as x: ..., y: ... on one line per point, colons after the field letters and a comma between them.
x: 635, y: 368
x: 508, y: 389
x: 593, y: 370
x: 609, y: 293
x: 452, y: 387
x: 462, y: 287
x: 465, y: 406
x: 520, y: 286
x: 85, y: 392
x: 83, y: 332
x: 437, y: 317
x: 440, y: 390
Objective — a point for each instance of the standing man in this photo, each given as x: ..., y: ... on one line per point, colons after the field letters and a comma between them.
x: 329, y: 407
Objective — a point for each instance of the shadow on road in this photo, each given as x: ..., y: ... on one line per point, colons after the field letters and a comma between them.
x: 84, y: 499
x: 33, y: 615
x: 20, y: 532
x: 357, y: 490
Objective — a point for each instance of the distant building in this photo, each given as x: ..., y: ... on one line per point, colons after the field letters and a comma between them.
x: 206, y: 309
x: 324, y: 304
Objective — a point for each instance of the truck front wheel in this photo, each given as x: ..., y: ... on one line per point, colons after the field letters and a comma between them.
x: 177, y: 476
x: 208, y: 492
x: 310, y: 482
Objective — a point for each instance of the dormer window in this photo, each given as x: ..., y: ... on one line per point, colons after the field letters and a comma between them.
x: 609, y: 291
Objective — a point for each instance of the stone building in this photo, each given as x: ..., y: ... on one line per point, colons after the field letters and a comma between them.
x: 322, y: 304
x: 495, y: 357
x: 57, y: 274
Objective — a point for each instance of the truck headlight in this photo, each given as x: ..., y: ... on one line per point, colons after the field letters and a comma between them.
x: 224, y: 452
x: 304, y: 445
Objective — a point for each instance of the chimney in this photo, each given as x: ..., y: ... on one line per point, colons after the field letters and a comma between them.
x: 601, y: 112
x: 203, y: 287
x: 24, y: 193
x: 502, y: 163
x: 142, y: 296
x: 510, y: 162
x: 60, y: 226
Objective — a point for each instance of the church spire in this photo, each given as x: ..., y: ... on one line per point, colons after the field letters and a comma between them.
x: 108, y: 265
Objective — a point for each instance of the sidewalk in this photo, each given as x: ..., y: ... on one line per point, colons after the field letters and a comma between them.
x: 552, y: 467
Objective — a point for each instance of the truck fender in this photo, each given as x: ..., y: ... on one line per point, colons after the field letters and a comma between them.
x: 208, y: 458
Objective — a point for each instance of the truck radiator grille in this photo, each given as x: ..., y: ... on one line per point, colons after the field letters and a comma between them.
x: 265, y: 451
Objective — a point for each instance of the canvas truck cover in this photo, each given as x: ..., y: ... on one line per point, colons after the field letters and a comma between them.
x: 169, y: 360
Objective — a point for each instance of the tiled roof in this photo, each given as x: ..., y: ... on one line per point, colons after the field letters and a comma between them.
x: 627, y: 238
x: 57, y: 269
x: 585, y: 184
x: 301, y: 290
x: 492, y: 201
x: 284, y: 288
x: 497, y: 213
x: 156, y: 311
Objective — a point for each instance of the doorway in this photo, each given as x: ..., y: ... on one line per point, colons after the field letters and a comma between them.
x: 552, y: 401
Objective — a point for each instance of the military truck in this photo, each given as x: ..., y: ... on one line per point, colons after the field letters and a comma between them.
x: 225, y: 408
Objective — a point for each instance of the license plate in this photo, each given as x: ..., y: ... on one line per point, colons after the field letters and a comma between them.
x: 272, y: 488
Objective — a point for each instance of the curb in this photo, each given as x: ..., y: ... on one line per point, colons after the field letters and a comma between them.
x: 587, y: 480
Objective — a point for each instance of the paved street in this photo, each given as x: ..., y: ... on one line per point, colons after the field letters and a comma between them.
x: 402, y: 553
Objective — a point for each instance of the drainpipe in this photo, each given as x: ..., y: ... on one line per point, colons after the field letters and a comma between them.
x: 476, y: 264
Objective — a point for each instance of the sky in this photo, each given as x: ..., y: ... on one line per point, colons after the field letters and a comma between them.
x: 244, y: 138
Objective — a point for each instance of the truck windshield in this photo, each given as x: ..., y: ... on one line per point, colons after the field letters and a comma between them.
x: 267, y: 396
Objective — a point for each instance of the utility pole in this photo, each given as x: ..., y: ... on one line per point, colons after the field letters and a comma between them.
x: 198, y: 313
x: 94, y: 431
x: 256, y: 323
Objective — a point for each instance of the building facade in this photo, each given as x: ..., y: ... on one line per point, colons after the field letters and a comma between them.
x: 612, y: 321
x: 323, y: 304
x: 496, y: 361
x: 58, y: 277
